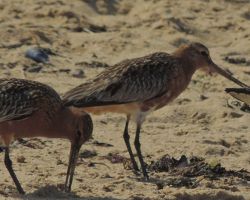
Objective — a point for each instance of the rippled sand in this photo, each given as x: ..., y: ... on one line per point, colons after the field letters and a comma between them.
x: 89, y: 35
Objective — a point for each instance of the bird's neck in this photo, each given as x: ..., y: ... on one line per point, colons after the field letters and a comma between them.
x: 189, y: 66
x: 63, y: 123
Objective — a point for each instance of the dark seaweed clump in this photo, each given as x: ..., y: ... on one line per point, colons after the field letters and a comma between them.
x: 193, y: 167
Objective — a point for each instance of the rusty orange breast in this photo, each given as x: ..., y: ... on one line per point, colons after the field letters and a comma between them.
x: 174, y: 88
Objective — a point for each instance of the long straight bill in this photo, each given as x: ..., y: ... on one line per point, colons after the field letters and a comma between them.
x: 74, y: 152
x: 228, y: 76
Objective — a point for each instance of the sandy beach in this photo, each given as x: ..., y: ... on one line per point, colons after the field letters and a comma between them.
x: 87, y: 36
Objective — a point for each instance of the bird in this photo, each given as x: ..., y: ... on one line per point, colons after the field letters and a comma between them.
x: 242, y: 94
x: 136, y: 87
x: 33, y: 109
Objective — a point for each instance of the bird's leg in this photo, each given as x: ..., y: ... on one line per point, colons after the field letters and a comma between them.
x: 8, y: 164
x: 126, y: 139
x: 138, y: 150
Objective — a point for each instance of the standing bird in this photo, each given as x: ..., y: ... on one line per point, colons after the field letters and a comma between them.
x: 242, y: 94
x: 139, y: 86
x: 33, y: 109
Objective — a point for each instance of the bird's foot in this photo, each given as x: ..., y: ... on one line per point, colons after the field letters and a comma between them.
x: 146, y: 177
x: 145, y: 172
x: 136, y: 172
x: 21, y: 191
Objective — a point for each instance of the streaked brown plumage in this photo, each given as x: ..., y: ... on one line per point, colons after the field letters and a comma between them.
x: 33, y: 109
x: 138, y: 86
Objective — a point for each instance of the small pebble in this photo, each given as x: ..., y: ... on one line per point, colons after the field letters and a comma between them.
x: 59, y: 162
x: 203, y: 97
x: 34, y: 69
x: 88, y: 154
x: 160, y: 185
x: 78, y: 73
x: 21, y: 159
x: 108, y: 188
x: 91, y: 164
x: 37, y: 54
x: 235, y: 115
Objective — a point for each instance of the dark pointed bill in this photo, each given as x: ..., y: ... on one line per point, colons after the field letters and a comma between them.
x: 74, y: 152
x: 242, y: 94
x: 228, y: 76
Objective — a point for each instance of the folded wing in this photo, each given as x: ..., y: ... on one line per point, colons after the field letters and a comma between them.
x: 21, y: 98
x: 133, y: 80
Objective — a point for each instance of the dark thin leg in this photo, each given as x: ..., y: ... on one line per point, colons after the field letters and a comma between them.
x: 138, y: 150
x: 8, y: 165
x: 126, y: 139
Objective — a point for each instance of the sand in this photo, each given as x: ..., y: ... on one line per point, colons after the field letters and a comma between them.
x: 89, y: 35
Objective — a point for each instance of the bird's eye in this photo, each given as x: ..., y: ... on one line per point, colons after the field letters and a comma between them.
x: 204, y: 53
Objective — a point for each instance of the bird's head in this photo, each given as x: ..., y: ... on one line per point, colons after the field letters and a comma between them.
x: 197, y: 55
x: 80, y: 127
x: 83, y: 127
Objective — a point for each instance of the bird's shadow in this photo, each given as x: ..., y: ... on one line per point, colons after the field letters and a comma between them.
x: 222, y: 195
x: 52, y: 192
x: 175, y: 182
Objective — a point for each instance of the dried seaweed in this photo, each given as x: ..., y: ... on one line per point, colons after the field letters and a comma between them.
x: 115, y: 158
x: 102, y: 144
x: 194, y: 167
x: 88, y: 154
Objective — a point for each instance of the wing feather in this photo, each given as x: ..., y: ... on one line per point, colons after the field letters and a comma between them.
x: 133, y: 80
x: 20, y: 98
